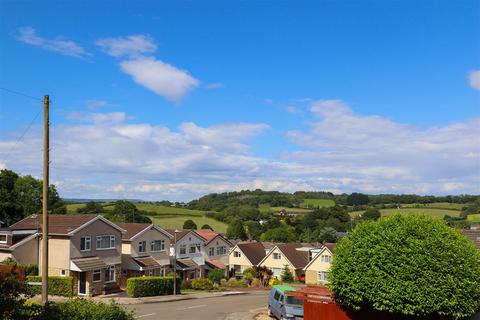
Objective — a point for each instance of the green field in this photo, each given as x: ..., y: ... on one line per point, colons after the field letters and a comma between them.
x: 474, y: 218
x: 435, y: 205
x: 316, y: 203
x: 439, y: 213
x: 265, y: 208
x: 177, y: 222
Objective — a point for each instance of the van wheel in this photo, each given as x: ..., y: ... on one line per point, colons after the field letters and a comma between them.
x: 270, y: 314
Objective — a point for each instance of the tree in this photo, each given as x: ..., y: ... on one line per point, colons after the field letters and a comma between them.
x: 280, y: 234
x: 327, y: 235
x: 216, y: 275
x: 126, y: 211
x: 9, y: 210
x: 371, y: 214
x: 357, y: 199
x: 415, y: 266
x: 263, y: 274
x: 14, y: 296
x: 207, y: 226
x: 254, y: 229
x: 93, y: 207
x: 287, y: 275
x: 189, y: 224
x: 236, y: 230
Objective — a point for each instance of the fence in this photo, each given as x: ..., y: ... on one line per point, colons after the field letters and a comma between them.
x: 19, y: 271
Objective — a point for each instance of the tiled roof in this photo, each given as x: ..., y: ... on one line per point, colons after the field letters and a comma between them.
x: 90, y: 263
x: 207, y: 234
x: 254, y: 251
x: 216, y: 264
x: 132, y: 229
x: 57, y: 223
x: 473, y: 235
x: 182, y: 233
x: 299, y: 259
x: 186, y: 263
x: 330, y: 246
x: 147, y: 262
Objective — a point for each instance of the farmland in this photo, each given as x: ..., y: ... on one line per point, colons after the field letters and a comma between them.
x: 439, y: 213
x: 317, y: 203
x: 474, y: 218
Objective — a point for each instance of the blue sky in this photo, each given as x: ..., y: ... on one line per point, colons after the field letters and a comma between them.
x: 174, y: 99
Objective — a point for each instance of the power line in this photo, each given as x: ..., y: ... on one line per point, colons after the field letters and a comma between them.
x: 21, y: 94
x: 22, y: 135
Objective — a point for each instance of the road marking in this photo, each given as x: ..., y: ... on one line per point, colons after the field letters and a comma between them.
x: 193, y: 307
x: 146, y: 315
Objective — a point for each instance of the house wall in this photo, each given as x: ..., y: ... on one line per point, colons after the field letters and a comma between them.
x: 218, y: 242
x: 189, y: 240
x: 272, y: 264
x: 311, y: 273
x: 5, y: 255
x: 58, y: 255
x: 240, y: 261
x: 27, y: 253
x: 97, y: 228
x: 153, y: 234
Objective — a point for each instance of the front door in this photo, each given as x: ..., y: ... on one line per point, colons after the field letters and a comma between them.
x: 82, y: 283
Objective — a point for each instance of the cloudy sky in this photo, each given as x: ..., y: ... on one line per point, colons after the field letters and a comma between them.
x: 176, y: 99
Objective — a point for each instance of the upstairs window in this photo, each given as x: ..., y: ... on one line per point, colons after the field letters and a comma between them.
x: 277, y: 256
x: 192, y: 249
x: 142, y: 246
x: 157, y: 245
x: 326, y: 258
x: 211, y: 251
x: 105, y: 242
x: 85, y: 244
x: 183, y: 249
x: 221, y: 251
x: 237, y: 254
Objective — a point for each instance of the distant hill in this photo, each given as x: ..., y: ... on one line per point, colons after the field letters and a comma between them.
x: 85, y: 200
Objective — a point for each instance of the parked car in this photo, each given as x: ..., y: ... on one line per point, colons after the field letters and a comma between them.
x: 282, y: 306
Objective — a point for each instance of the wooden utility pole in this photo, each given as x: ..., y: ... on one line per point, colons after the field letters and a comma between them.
x: 46, y: 103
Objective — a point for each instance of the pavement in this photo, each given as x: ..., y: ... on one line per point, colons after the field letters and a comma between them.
x: 245, y: 306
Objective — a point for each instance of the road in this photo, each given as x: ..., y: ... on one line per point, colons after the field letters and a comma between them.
x: 237, y: 307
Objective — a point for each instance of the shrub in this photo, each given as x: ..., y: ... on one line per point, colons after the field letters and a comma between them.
x: 255, y: 283
x: 234, y: 283
x: 202, y: 284
x: 13, y: 294
x: 273, y: 282
x: 216, y: 275
x: 57, y: 286
x: 31, y: 270
x: 80, y: 309
x: 223, y: 283
x: 287, y: 275
x: 187, y: 284
x: 408, y: 264
x: 250, y: 273
x: 151, y: 286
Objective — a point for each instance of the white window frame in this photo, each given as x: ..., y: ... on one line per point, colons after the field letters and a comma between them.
x: 110, y: 278
x: 237, y: 254
x: 221, y: 250
x: 326, y: 258
x: 194, y: 247
x: 184, y: 247
x: 6, y: 237
x: 63, y: 273
x: 211, y: 251
x: 88, y: 240
x: 142, y: 246
x: 277, y: 256
x: 152, y: 245
x: 99, y: 273
x: 322, y: 276
x: 111, y: 242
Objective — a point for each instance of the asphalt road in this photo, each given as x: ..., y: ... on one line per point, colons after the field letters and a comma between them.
x: 237, y: 307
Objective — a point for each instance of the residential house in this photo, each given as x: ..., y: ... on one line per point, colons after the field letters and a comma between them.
x: 145, y: 250
x: 217, y: 248
x: 86, y: 247
x: 473, y: 235
x: 19, y: 246
x: 188, y: 253
x: 316, y: 271
x: 245, y: 255
x: 293, y: 255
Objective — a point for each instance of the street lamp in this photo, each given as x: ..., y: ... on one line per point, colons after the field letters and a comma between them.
x: 175, y: 262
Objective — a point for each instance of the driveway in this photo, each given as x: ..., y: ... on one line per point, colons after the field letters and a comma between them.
x: 238, y: 307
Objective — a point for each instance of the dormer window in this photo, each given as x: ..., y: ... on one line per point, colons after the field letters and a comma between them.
x: 237, y: 254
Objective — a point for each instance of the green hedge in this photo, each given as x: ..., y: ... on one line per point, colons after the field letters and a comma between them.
x: 151, y: 286
x: 57, y: 286
x: 202, y: 284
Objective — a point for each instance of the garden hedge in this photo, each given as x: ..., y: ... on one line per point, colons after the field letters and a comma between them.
x: 407, y: 264
x: 151, y: 286
x: 202, y: 284
x: 57, y: 286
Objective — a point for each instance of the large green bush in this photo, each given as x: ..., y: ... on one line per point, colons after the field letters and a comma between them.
x: 57, y: 286
x: 151, y: 286
x: 407, y: 264
x: 202, y: 284
x: 216, y: 275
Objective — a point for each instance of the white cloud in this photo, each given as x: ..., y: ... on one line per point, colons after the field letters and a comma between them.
x: 474, y: 78
x: 98, y: 118
x: 65, y: 47
x: 95, y: 104
x: 215, y: 85
x: 162, y: 78
x: 292, y: 109
x: 132, y: 46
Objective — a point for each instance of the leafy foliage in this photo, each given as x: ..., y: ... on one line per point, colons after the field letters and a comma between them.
x: 151, y: 286
x: 13, y: 295
x: 31, y: 269
x: 207, y: 226
x: 216, y: 275
x: 126, y: 211
x: 236, y: 230
x: 202, y: 284
x: 407, y: 264
x: 189, y: 224
x: 280, y: 234
x: 81, y: 309
x: 287, y: 275
x: 91, y: 207
x: 57, y: 286
x: 264, y: 275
